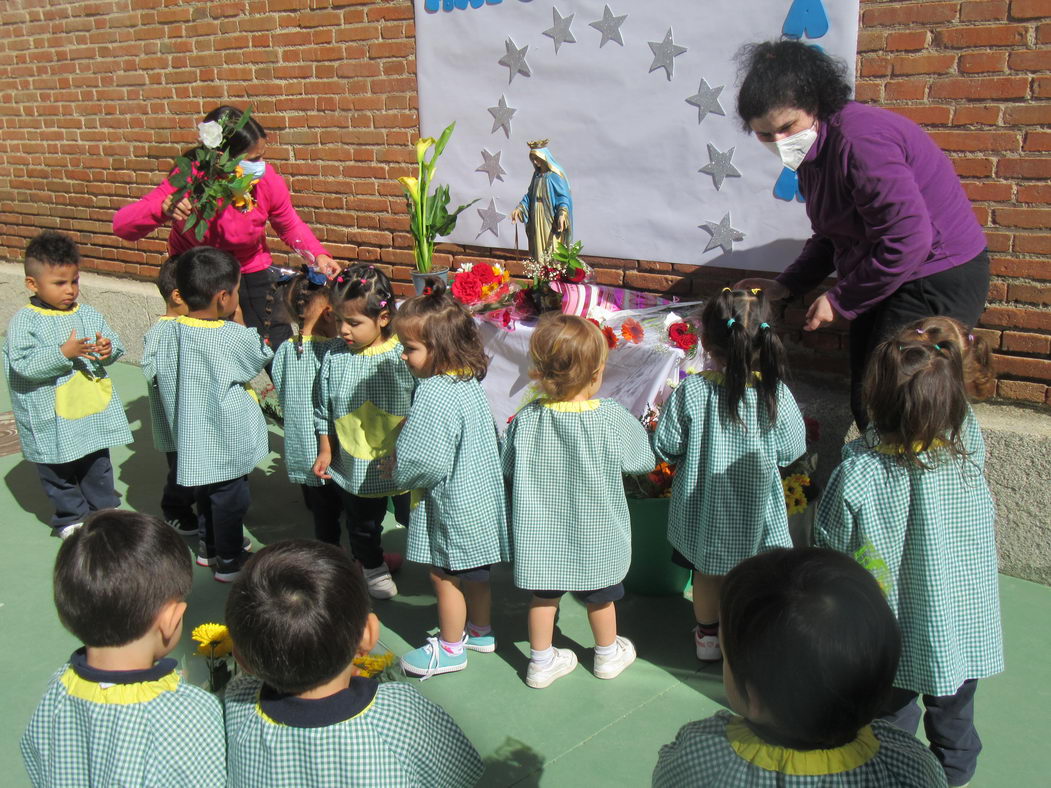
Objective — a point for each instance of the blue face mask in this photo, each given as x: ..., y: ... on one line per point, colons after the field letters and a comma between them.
x: 254, y: 168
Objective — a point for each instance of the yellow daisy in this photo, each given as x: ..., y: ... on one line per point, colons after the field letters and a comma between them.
x: 214, y: 640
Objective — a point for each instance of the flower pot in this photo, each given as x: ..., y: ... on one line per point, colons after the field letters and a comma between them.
x: 652, y: 572
x: 419, y: 279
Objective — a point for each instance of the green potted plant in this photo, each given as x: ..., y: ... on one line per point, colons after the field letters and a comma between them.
x: 429, y: 211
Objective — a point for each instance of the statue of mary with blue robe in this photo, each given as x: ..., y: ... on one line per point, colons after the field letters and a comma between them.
x: 547, y: 208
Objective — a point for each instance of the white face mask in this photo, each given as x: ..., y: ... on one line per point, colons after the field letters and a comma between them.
x: 254, y: 168
x: 792, y: 150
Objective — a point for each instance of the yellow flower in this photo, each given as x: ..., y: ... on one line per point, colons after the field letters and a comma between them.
x: 411, y: 186
x: 214, y: 640
x: 422, y: 147
x: 373, y: 664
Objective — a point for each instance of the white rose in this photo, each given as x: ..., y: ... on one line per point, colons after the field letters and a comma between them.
x: 210, y: 134
x: 600, y: 313
x: 671, y: 319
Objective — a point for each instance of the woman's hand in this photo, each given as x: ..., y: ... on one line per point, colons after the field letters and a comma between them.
x: 327, y: 266
x: 775, y: 291
x: 180, y: 211
x: 518, y: 215
x: 820, y: 313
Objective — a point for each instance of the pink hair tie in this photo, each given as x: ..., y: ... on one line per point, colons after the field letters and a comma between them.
x: 920, y: 331
x: 383, y: 303
x: 970, y: 338
x: 364, y: 281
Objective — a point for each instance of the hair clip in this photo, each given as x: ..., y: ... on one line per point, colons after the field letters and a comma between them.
x: 427, y: 291
x: 764, y: 326
x: 364, y: 281
x: 727, y: 290
x: 937, y: 347
x: 731, y: 323
x: 756, y: 290
x: 340, y: 278
x: 920, y: 331
x: 970, y: 339
x: 383, y: 303
x: 315, y: 277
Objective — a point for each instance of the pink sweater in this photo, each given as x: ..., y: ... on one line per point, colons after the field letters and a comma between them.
x: 241, y: 234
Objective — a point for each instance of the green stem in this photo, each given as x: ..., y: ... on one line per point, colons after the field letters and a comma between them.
x: 423, y: 262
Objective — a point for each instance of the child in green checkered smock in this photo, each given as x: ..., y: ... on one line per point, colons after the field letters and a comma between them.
x: 810, y: 648
x: 299, y: 615
x: 56, y: 355
x: 364, y: 394
x: 449, y: 456
x: 728, y: 431
x: 910, y: 502
x: 176, y: 501
x: 202, y: 372
x: 566, y: 456
x: 119, y: 712
x: 295, y: 370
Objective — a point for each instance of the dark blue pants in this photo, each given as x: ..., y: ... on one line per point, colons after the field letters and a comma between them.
x: 221, y: 508
x: 364, y: 526
x: 949, y: 724
x: 176, y: 501
x: 326, y: 507
x: 79, y: 487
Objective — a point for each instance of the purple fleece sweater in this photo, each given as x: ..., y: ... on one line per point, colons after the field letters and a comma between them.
x: 886, y: 208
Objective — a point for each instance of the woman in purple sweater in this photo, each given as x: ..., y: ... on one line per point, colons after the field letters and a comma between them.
x: 888, y: 212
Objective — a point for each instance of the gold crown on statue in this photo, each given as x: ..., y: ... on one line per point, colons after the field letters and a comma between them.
x: 537, y: 144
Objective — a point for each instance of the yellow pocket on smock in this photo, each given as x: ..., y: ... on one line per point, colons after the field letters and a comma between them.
x: 368, y: 433
x: 82, y: 396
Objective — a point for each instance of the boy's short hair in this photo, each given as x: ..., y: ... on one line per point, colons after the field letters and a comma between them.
x: 50, y: 248
x: 203, y: 271
x: 114, y: 574
x: 811, y: 634
x: 166, y: 283
x: 297, y: 614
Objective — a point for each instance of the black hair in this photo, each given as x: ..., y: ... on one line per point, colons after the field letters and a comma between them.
x: 242, y: 140
x: 790, y: 74
x: 295, y: 294
x: 203, y: 271
x: 113, y: 575
x: 166, y: 283
x: 737, y: 327
x: 50, y: 248
x: 446, y: 329
x: 810, y: 634
x: 297, y: 614
x: 369, y: 286
x: 915, y: 394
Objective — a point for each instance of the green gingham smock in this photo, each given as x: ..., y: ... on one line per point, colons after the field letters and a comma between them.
x: 142, y: 728
x: 202, y: 374
x: 398, y: 739
x: 928, y: 536
x: 158, y: 334
x: 569, y: 516
x: 727, y: 503
x: 64, y: 409
x: 364, y: 396
x: 723, y: 751
x: 295, y: 370
x: 448, y: 450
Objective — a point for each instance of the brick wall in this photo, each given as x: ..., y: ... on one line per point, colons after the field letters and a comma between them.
x: 98, y: 95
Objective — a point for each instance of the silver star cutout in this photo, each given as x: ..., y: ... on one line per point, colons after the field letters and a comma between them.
x: 609, y: 26
x: 515, y: 60
x: 560, y: 32
x: 706, y: 100
x: 502, y: 115
x: 664, y: 54
x: 722, y: 234
x: 491, y: 166
x: 720, y: 166
x: 490, y: 218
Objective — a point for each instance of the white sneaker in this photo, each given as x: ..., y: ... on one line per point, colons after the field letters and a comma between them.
x: 609, y: 667
x: 708, y: 649
x: 63, y: 532
x: 563, y: 662
x: 381, y: 584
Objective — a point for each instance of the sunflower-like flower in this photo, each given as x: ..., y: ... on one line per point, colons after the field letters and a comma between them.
x: 213, y: 640
x: 372, y: 665
x: 795, y: 492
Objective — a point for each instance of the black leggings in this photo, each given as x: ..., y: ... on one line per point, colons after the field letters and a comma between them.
x: 257, y: 289
x: 959, y: 293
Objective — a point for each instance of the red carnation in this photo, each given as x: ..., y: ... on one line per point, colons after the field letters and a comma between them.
x: 610, y: 335
x: 682, y: 336
x: 484, y: 273
x: 467, y: 288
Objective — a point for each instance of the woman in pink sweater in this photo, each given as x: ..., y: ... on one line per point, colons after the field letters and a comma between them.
x: 242, y: 234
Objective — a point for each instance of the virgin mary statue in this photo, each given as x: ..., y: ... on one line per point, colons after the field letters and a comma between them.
x: 547, y: 208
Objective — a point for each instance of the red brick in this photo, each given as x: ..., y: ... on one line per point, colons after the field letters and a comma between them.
x: 923, y: 64
x: 997, y: 291
x: 981, y: 36
x: 1030, y: 294
x: 1028, y: 115
x: 871, y: 41
x: 972, y: 168
x: 1037, y: 141
x: 1021, y: 390
x: 1039, y: 218
x: 1026, y: 167
x: 868, y: 90
x: 1031, y: 269
x: 874, y: 66
x: 976, y: 115
x: 982, y: 62
x: 1029, y: 9
x: 927, y: 115
x: 1043, y: 33
x: 983, y: 10
x: 1034, y: 193
x: 992, y: 338
x: 977, y: 140
x: 1015, y: 317
x: 905, y: 40
x: 1030, y: 60
x: 999, y: 88
x: 989, y: 192
x: 905, y: 89
x: 912, y: 14
x: 1041, y: 87
x: 998, y: 242
x: 1022, y: 367
x: 1033, y: 243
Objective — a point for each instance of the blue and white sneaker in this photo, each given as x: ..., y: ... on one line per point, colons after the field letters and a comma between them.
x: 483, y: 643
x: 432, y: 660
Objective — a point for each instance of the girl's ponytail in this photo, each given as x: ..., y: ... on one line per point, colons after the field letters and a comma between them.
x: 738, y: 363
x: 773, y: 366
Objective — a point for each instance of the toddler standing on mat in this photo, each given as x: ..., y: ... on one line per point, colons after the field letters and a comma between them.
x: 566, y: 456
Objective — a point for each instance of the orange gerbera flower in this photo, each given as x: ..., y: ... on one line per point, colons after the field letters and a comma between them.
x: 632, y: 331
